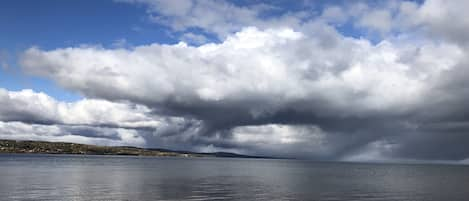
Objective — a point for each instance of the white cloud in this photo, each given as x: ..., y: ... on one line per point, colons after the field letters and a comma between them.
x: 334, y: 14
x: 213, y: 16
x: 220, y: 17
x: 29, y: 106
x: 443, y: 19
x: 29, y: 115
x: 436, y: 19
x: 277, y: 134
x: 287, y: 140
x: 275, y: 67
x: 446, y: 19
x: 379, y: 20
x: 194, y: 38
x: 56, y: 133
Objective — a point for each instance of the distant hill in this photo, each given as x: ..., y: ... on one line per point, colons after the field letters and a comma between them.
x: 41, y: 147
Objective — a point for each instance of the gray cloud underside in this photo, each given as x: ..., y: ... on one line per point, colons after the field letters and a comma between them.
x: 303, y: 90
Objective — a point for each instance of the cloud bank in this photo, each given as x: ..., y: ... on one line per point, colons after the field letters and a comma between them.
x: 288, y: 85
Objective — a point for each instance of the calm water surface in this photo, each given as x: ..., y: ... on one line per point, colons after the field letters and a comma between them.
x: 65, y: 177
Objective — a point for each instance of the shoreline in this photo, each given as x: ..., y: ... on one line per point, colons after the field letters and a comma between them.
x: 59, y: 148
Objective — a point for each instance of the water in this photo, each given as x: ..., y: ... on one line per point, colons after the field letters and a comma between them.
x: 66, y: 177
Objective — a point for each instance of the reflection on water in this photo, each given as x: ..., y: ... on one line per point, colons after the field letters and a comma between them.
x: 47, y: 177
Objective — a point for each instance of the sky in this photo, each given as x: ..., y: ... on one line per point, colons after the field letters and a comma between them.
x: 382, y: 81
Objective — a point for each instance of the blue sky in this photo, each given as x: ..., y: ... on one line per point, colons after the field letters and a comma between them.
x: 54, y: 23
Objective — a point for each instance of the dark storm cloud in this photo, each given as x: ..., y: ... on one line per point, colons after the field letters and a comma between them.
x: 91, y: 132
x: 441, y: 123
